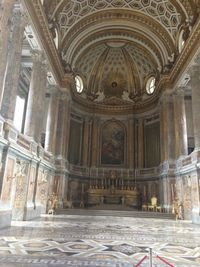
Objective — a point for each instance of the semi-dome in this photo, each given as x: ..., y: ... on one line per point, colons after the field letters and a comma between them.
x: 115, y: 69
x: 117, y: 46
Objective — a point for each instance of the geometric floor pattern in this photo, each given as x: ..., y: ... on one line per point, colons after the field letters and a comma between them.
x: 74, y: 240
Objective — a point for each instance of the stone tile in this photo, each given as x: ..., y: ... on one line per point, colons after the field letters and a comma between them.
x: 78, y: 240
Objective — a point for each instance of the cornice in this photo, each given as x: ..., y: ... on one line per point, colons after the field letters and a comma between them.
x: 38, y: 19
x: 188, y: 53
x: 135, y: 108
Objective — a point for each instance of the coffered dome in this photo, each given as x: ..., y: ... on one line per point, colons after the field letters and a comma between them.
x: 115, y: 67
x: 116, y: 45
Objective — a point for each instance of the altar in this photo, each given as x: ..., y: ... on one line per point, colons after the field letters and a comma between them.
x: 112, y: 191
x: 108, y: 196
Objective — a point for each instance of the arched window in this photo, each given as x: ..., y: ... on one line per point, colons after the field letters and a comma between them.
x: 79, y: 84
x: 151, y: 85
x: 19, y: 112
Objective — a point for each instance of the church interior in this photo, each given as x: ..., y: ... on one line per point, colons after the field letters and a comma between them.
x: 99, y: 132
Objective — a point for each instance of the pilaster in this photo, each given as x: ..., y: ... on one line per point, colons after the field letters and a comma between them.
x: 180, y: 126
x: 167, y: 132
x: 141, y: 143
x: 130, y: 142
x: 95, y: 145
x: 85, y: 141
x: 195, y: 82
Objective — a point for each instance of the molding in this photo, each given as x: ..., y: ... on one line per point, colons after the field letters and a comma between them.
x: 38, y: 19
x: 189, y: 52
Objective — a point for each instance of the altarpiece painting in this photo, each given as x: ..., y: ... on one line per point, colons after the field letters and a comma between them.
x: 112, y: 144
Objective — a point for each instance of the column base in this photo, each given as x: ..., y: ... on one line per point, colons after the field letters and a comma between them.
x: 32, y: 212
x: 5, y: 218
x: 195, y: 216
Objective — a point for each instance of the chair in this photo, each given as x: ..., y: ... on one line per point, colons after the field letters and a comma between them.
x: 144, y: 207
x: 159, y: 208
x: 153, y: 205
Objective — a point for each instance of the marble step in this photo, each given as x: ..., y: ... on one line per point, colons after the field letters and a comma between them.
x: 117, y: 213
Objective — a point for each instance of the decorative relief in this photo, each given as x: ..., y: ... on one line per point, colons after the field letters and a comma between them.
x: 31, y: 183
x: 7, y: 181
x: 20, y: 178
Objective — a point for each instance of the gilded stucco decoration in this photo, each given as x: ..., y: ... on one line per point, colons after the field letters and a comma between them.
x: 116, y: 45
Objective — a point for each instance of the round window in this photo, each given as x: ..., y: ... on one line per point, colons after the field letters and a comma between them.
x: 151, y: 85
x: 79, y: 84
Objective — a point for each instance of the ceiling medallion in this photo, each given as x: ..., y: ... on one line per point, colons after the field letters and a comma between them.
x: 114, y: 84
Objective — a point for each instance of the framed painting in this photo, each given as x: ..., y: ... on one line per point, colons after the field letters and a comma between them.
x: 112, y: 144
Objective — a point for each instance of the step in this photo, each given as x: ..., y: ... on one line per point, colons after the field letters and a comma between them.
x: 117, y: 213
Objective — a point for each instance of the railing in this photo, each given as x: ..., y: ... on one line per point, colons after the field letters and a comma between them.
x: 150, y: 257
x: 100, y: 172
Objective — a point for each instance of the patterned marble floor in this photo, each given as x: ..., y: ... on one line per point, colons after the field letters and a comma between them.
x: 74, y: 240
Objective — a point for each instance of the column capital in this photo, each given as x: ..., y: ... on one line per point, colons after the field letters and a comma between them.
x: 87, y: 119
x: 63, y: 95
x: 19, y: 13
x: 166, y: 97
x: 68, y: 80
x: 194, y: 70
x: 52, y: 89
x: 37, y: 55
x: 180, y: 91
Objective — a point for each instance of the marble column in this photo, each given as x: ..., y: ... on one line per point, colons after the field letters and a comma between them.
x: 6, y: 9
x: 85, y: 142
x: 90, y: 122
x: 67, y: 126
x: 94, y: 143
x: 36, y: 97
x: 63, y: 117
x: 167, y: 144
x: 130, y: 143
x: 180, y: 126
x: 140, y: 143
x: 13, y: 65
x: 195, y: 84
x: 167, y: 132
x: 195, y: 178
x: 50, y: 139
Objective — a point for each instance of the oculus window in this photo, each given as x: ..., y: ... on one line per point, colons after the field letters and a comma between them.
x: 151, y: 85
x: 79, y: 84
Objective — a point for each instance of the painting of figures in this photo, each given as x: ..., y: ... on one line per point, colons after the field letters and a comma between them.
x: 112, y: 145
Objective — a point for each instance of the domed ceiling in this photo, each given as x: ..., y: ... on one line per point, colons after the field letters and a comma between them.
x: 116, y: 45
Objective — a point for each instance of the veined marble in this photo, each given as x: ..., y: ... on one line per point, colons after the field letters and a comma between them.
x: 75, y: 240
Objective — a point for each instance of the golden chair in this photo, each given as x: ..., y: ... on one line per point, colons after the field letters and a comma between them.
x: 153, y: 205
x: 144, y: 207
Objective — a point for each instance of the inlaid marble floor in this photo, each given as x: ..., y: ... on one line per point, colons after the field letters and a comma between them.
x: 74, y: 240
